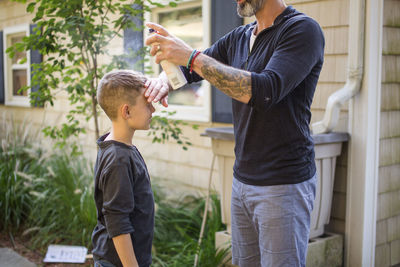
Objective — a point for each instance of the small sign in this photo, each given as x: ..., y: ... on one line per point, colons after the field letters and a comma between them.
x: 70, y: 254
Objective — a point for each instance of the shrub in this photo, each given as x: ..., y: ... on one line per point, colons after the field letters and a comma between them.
x: 18, y: 158
x: 63, y: 209
x: 177, y: 228
x: 48, y: 193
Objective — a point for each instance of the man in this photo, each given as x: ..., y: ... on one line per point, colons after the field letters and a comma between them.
x: 270, y: 69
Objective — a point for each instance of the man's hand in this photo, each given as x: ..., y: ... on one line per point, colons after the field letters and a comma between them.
x: 165, y: 46
x: 157, y: 90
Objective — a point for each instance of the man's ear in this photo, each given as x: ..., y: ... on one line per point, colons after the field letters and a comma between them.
x: 125, y: 111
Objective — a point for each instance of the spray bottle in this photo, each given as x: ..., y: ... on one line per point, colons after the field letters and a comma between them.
x: 173, y: 72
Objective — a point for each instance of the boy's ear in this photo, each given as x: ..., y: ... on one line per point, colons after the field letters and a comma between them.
x: 125, y: 111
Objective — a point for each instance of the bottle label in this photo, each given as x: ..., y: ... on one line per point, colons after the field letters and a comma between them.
x: 175, y: 81
x: 174, y: 74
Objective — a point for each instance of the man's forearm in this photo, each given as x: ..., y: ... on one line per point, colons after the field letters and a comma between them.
x: 233, y: 82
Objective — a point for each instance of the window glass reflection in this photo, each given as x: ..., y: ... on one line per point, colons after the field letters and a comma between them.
x: 187, y: 24
x: 18, y: 55
x: 19, y: 81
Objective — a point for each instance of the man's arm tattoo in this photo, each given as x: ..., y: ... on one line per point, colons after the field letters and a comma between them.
x: 233, y: 82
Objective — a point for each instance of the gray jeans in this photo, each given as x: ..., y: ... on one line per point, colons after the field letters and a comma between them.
x: 271, y: 224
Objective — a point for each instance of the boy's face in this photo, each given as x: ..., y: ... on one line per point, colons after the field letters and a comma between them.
x: 140, y: 113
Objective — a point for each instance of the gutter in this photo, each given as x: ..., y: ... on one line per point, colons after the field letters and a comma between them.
x: 355, y: 62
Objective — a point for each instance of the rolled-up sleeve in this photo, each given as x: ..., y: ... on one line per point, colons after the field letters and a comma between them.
x: 118, y: 200
x: 299, y: 50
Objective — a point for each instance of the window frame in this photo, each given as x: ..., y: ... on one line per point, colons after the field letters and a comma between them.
x: 9, y: 98
x: 188, y: 113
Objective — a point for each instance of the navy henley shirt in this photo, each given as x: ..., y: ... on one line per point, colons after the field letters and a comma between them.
x: 273, y: 144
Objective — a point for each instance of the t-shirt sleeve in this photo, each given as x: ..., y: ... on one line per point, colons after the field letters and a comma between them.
x: 118, y: 199
x: 298, y: 51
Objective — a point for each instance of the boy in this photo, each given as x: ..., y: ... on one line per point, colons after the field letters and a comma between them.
x: 123, y: 195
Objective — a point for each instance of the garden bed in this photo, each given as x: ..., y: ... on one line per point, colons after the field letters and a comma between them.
x: 35, y: 256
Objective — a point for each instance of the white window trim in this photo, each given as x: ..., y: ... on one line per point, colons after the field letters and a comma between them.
x: 9, y: 98
x: 188, y: 113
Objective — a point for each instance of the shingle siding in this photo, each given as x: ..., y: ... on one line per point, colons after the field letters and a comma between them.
x: 387, y: 252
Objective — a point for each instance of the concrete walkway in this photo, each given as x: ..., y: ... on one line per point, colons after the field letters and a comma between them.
x: 10, y: 258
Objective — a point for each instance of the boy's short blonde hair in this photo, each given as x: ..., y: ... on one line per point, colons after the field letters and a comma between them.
x: 117, y: 87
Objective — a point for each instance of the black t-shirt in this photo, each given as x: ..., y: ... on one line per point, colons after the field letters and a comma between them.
x: 124, y: 202
x: 273, y: 144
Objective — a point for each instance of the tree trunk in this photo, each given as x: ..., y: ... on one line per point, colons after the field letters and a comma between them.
x: 95, y: 116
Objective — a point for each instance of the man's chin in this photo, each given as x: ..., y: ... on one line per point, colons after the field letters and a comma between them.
x: 245, y: 10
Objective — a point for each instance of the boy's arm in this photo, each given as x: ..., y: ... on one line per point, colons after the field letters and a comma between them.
x: 123, y: 245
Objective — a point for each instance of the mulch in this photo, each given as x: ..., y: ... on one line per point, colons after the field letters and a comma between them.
x: 21, y: 246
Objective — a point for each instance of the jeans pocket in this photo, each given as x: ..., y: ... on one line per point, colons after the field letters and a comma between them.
x: 309, y: 199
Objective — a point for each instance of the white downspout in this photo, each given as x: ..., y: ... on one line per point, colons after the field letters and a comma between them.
x: 355, y: 64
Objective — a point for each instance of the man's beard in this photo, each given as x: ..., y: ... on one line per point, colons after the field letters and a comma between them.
x: 249, y: 7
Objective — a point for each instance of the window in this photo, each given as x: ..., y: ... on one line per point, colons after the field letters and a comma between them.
x: 190, y: 22
x: 16, y: 75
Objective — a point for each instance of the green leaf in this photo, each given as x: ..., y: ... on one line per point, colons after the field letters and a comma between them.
x: 156, y: 3
x: 22, y: 61
x: 31, y: 7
